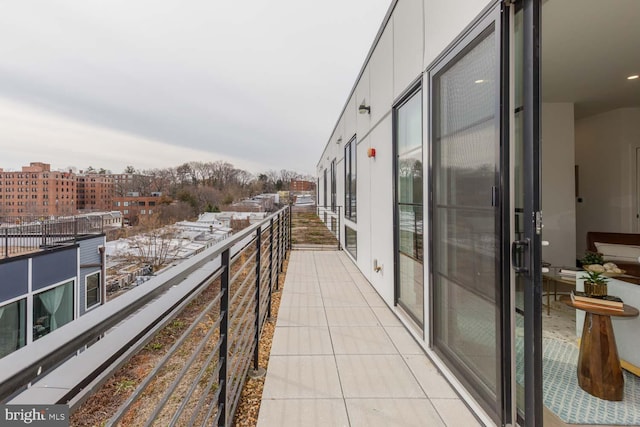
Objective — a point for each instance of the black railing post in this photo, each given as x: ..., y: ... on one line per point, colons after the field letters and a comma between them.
x: 278, y: 255
x: 258, y: 264
x: 338, y: 231
x: 270, y: 266
x: 281, y: 241
x: 290, y: 228
x: 224, y: 333
x: 6, y: 243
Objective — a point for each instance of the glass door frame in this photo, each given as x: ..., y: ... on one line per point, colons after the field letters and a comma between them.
x: 531, y: 270
x: 415, y: 88
x: 500, y: 15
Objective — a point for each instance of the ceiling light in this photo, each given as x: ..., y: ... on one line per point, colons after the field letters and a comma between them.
x: 635, y: 76
x: 479, y: 81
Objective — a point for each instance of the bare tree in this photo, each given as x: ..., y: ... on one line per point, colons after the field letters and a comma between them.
x: 157, y: 245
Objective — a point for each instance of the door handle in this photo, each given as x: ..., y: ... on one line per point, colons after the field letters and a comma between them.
x: 519, y: 251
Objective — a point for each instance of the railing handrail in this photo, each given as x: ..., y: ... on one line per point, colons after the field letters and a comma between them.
x: 26, y: 364
x: 43, y: 233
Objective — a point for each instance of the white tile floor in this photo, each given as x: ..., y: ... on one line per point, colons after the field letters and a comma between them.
x: 340, y: 357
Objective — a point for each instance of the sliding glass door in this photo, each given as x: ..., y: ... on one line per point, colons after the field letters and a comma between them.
x: 409, y: 205
x: 467, y: 228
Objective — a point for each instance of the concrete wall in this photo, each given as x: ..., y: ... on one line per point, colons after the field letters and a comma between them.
x: 606, y: 147
x: 558, y: 184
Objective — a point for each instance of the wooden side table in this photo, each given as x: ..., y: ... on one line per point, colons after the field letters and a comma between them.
x: 599, y: 371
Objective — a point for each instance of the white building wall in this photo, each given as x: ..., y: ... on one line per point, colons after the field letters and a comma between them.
x: 381, y: 225
x: 558, y: 184
x: 607, y: 143
x: 381, y: 75
x: 445, y: 20
x: 408, y: 42
x: 416, y: 32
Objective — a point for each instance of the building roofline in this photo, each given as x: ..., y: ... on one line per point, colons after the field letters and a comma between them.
x: 376, y: 40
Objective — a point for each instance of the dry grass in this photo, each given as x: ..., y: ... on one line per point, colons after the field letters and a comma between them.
x: 249, y: 405
x: 101, y: 406
x: 308, y: 229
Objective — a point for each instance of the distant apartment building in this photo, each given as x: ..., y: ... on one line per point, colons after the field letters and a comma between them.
x: 301, y: 185
x: 37, y: 191
x: 134, y: 206
x: 94, y: 192
x: 125, y: 183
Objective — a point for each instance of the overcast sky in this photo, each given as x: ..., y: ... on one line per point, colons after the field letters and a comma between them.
x: 156, y: 83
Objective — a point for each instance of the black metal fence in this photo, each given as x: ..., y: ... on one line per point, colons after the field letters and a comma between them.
x: 199, y: 380
x: 207, y: 387
x: 331, y: 218
x: 30, y: 237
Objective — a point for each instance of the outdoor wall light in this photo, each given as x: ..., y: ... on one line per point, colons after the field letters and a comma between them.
x: 364, y: 109
x: 339, y: 140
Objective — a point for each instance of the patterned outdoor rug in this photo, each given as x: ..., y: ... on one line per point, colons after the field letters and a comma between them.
x: 564, y: 397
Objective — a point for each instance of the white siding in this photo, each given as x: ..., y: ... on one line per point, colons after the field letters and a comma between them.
x: 408, y: 44
x: 445, y: 20
x: 381, y: 75
x: 381, y: 231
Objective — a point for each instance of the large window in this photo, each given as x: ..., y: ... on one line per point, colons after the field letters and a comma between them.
x: 93, y: 289
x: 350, y: 177
x: 333, y: 185
x: 409, y: 209
x: 52, y: 309
x: 12, y: 326
x: 351, y: 240
x: 326, y: 190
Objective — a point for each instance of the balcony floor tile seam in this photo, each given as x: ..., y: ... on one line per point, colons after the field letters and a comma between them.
x: 333, y: 349
x: 381, y: 323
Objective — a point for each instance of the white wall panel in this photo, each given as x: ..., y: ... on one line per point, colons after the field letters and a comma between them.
x: 364, y: 208
x: 349, y: 118
x: 362, y: 93
x: 408, y: 44
x: 381, y: 75
x: 445, y: 20
x: 605, y: 153
x: 381, y: 230
x: 558, y: 184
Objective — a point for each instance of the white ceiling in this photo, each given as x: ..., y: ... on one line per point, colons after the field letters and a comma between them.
x: 589, y: 48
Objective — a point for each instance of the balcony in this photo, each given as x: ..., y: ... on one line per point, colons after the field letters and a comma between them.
x: 340, y: 357
x: 33, y: 236
x: 179, y: 349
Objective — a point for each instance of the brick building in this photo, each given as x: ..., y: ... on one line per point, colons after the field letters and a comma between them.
x: 94, y: 192
x: 300, y: 185
x: 37, y: 191
x: 134, y: 206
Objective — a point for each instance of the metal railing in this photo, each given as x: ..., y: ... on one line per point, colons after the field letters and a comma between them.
x: 30, y: 237
x: 331, y: 218
x: 216, y: 352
